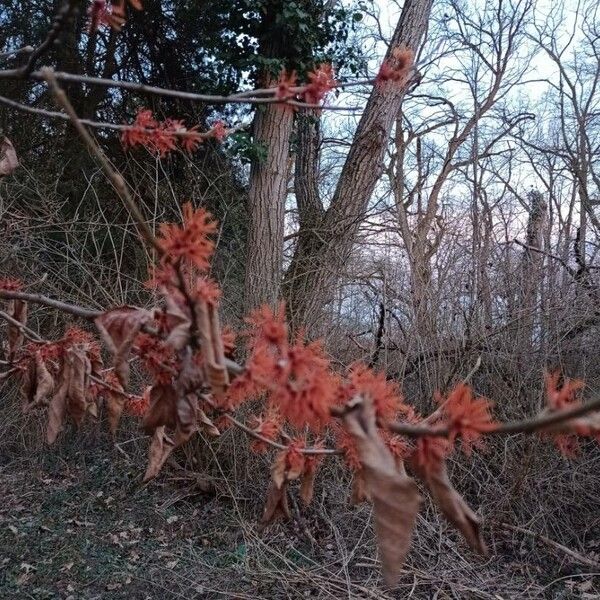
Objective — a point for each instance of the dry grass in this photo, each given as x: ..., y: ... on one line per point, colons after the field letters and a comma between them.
x: 75, y: 522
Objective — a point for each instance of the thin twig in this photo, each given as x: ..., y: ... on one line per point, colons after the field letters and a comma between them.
x: 572, y: 553
x: 532, y: 425
x: 16, y: 52
x: 72, y: 309
x: 111, y: 173
x: 53, y: 114
x: 250, y: 97
x: 61, y: 19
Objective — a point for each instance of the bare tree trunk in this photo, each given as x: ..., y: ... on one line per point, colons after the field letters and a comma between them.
x: 310, y: 281
x: 532, y: 267
x: 266, y: 207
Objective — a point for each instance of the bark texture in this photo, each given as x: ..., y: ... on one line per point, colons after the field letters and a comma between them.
x: 266, y: 207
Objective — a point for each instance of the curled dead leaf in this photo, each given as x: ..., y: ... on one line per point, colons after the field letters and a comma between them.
x: 359, y: 492
x: 37, y: 384
x: 115, y: 402
x: 118, y: 328
x: 307, y: 482
x: 453, y: 507
x: 284, y: 469
x: 207, y: 425
x: 17, y: 309
x: 178, y: 323
x: 160, y: 449
x: 8, y: 157
x: 80, y: 370
x: 276, y: 505
x: 162, y: 410
x: 395, y: 497
x: 58, y: 404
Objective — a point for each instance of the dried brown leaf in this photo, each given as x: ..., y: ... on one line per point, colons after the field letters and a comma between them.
x: 37, y: 384
x: 395, y: 497
x: 278, y: 469
x: 118, y: 328
x: 17, y: 309
x: 276, y: 505
x: 359, y: 492
x: 8, y: 157
x: 92, y: 409
x: 160, y: 449
x: 187, y: 417
x: 115, y: 403
x: 307, y: 483
x: 162, y: 410
x: 58, y: 404
x: 454, y: 508
x: 79, y: 380
x: 207, y: 425
x: 178, y: 323
x: 284, y: 470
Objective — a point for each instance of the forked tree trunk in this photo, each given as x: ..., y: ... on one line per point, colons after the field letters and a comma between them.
x: 326, y: 237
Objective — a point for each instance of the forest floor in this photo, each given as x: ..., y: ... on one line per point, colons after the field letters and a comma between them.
x: 76, y: 524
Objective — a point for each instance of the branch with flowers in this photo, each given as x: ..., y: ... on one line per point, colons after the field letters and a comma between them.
x: 307, y: 409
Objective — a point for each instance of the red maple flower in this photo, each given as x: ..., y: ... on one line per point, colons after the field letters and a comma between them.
x: 321, y: 83
x: 75, y: 335
x: 241, y: 389
x: 192, y: 139
x: 156, y: 356
x: 396, y: 68
x: 294, y: 458
x: 399, y: 446
x: 467, y: 417
x: 564, y: 397
x: 268, y: 327
x: 345, y: 442
x: 162, y: 137
x: 101, y: 13
x: 190, y: 241
x: 295, y: 376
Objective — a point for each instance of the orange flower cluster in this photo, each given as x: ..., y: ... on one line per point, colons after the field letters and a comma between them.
x: 385, y: 395
x: 320, y: 82
x: 138, y: 405
x: 296, y: 376
x: 431, y: 452
x: 157, y: 357
x: 560, y: 398
x: 162, y: 137
x: 268, y: 426
x: 189, y: 241
x: 467, y: 417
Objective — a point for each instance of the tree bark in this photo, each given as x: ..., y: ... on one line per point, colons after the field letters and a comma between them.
x: 317, y: 263
x: 266, y: 207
